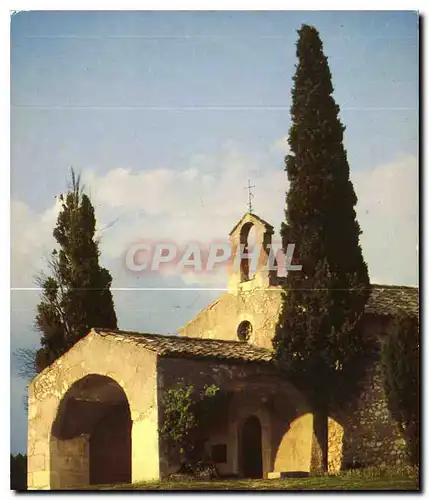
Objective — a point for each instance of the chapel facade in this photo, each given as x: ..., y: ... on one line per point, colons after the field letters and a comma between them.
x: 95, y: 414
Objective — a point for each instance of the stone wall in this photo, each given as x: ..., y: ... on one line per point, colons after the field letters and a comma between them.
x: 364, y: 434
x: 59, y: 456
x: 220, y: 320
x: 132, y: 369
x: 255, y: 389
x: 335, y: 445
x: 293, y: 447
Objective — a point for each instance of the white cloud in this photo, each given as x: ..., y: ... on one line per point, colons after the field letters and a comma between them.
x: 388, y: 214
x: 31, y: 241
x: 202, y: 203
x: 281, y: 145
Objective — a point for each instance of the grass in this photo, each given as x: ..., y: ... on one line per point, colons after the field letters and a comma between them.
x: 357, y: 480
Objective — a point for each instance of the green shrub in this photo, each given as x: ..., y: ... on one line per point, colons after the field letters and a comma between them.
x: 187, y: 411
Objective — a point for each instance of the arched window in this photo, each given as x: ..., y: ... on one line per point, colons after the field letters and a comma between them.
x: 248, y: 239
x: 244, y: 331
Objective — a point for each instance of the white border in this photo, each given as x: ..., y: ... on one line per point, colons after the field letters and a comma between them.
x: 7, y: 8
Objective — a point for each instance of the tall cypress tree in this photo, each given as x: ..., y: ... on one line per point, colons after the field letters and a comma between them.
x: 318, y: 343
x: 77, y: 296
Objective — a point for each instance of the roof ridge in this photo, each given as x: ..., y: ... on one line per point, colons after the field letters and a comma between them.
x: 174, y: 336
x: 178, y: 346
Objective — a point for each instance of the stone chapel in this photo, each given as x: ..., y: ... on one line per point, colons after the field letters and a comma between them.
x: 94, y: 415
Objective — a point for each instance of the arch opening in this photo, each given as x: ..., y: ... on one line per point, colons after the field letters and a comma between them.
x: 248, y: 240
x: 91, y: 435
x: 251, y: 448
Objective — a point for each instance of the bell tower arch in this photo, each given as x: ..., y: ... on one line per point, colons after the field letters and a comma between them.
x: 250, y: 241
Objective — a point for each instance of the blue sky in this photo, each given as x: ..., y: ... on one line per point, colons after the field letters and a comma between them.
x: 167, y: 114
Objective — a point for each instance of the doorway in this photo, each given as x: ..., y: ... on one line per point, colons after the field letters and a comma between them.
x: 251, y: 448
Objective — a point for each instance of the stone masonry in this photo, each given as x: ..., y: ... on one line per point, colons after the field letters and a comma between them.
x: 95, y: 414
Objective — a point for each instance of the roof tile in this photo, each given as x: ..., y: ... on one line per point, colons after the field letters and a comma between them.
x: 178, y: 346
x: 388, y: 300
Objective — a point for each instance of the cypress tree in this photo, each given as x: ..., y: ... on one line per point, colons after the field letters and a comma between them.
x: 400, y: 357
x: 77, y: 296
x: 18, y: 472
x: 318, y: 343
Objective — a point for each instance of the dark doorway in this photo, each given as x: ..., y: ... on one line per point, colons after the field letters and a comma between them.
x: 251, y: 448
x: 110, y: 448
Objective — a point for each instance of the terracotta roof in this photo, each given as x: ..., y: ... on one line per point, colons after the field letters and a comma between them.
x: 387, y: 300
x: 178, y: 346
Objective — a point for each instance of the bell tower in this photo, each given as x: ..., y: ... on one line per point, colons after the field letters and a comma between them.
x: 250, y: 241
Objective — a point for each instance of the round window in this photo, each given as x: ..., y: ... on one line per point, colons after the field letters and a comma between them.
x: 244, y: 331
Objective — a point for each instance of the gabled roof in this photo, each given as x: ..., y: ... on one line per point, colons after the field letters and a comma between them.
x: 178, y: 346
x: 389, y: 300
x: 254, y: 216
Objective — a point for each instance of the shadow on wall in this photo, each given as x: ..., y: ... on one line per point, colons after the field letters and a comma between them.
x: 287, y: 424
x: 362, y: 433
x: 91, y: 435
x: 283, y: 412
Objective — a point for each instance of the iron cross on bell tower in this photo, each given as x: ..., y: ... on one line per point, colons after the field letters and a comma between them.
x: 249, y: 203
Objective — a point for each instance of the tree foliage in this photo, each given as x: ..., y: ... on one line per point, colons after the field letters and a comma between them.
x: 18, y: 472
x: 26, y: 362
x: 317, y: 342
x: 400, y: 361
x: 76, y: 295
x: 187, y: 412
